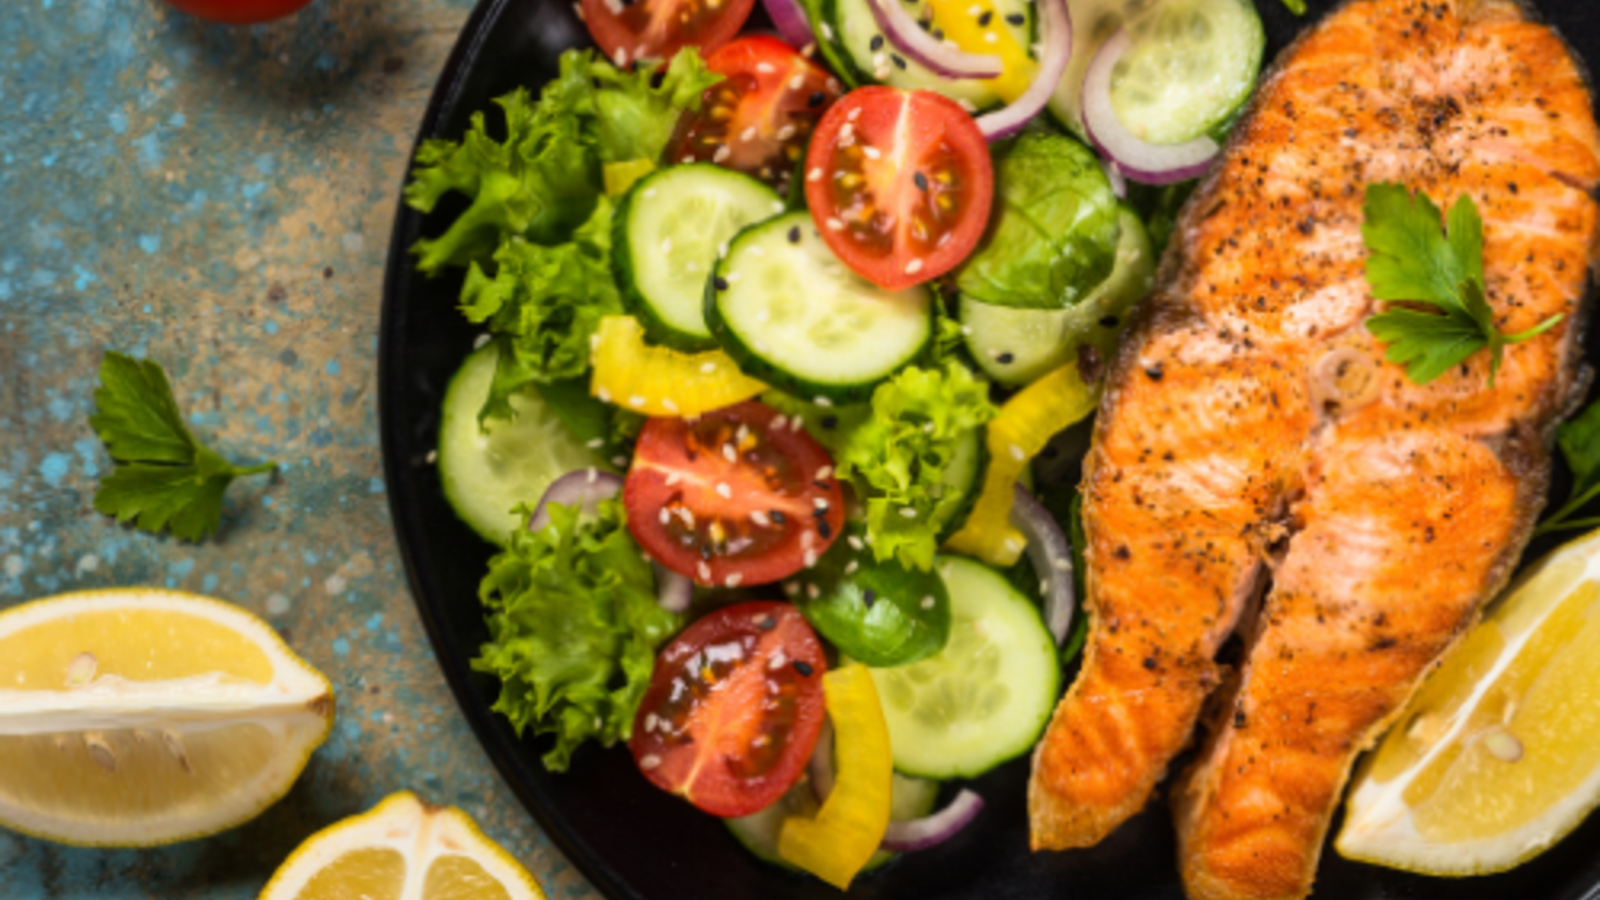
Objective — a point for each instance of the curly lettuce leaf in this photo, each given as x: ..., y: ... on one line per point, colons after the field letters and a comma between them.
x: 543, y: 303
x: 896, y: 460
x: 639, y: 110
x: 574, y: 626
x: 1053, y: 238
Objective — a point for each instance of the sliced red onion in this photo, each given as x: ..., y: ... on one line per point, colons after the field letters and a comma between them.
x: 1055, y: 38
x: 1051, y: 556
x: 673, y: 591
x: 920, y: 834
x: 585, y: 486
x: 1139, y: 160
x: 926, y: 50
x: 790, y: 21
x: 820, y: 767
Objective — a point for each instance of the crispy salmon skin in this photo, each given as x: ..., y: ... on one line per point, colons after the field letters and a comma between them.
x: 1252, y: 439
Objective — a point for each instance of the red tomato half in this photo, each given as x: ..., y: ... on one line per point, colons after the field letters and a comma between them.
x: 238, y: 12
x: 733, y: 709
x: 630, y: 30
x: 759, y: 118
x: 899, y: 183
x: 735, y: 497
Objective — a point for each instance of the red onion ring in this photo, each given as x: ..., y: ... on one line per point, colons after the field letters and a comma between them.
x: 924, y: 49
x: 1055, y: 35
x: 791, y: 22
x: 1139, y: 160
x: 920, y: 834
x: 1051, y: 556
x: 586, y: 488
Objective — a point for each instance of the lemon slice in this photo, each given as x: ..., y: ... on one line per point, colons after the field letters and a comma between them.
x: 134, y: 717
x: 1498, y: 755
x: 402, y: 849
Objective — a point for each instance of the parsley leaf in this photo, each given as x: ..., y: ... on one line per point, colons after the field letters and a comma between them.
x: 1298, y: 7
x: 1412, y: 260
x: 165, y: 479
x: 1579, y: 440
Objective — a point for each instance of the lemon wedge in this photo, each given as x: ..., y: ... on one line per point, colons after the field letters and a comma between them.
x: 133, y: 717
x: 402, y: 849
x: 1498, y: 755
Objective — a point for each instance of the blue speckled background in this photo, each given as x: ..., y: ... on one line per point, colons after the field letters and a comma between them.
x: 220, y: 200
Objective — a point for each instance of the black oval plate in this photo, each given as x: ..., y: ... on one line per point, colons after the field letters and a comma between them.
x: 636, y: 842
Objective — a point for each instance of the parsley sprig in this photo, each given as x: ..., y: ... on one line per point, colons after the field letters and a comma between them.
x: 165, y: 478
x: 1413, y: 260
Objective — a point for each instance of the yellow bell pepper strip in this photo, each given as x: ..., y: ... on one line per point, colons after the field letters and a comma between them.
x: 965, y: 27
x: 659, y: 381
x: 1024, y: 425
x: 619, y: 176
x: 838, y: 842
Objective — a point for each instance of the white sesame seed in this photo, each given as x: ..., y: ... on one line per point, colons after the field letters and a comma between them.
x: 748, y: 135
x: 824, y: 473
x: 880, y: 60
x: 833, y: 83
x: 650, y: 722
x: 649, y: 761
x: 853, y: 114
x: 813, y: 591
x: 780, y: 423
x: 791, y: 588
x: 851, y: 567
x: 964, y: 103
x: 810, y: 557
x: 777, y: 207
x: 620, y: 57
x: 1064, y: 564
x: 708, y: 368
x: 760, y: 518
x: 636, y: 402
x: 703, y: 570
x: 620, y: 462
x: 797, y: 82
x: 822, y: 401
x: 666, y: 245
x: 927, y: 602
x: 639, y: 52
x: 592, y: 475
x: 577, y: 10
x: 432, y: 457
x: 913, y: 267
x: 872, y: 152
x: 733, y: 580
x: 687, y: 158
x: 722, y: 250
x: 779, y: 660
x: 834, y: 224
x: 594, y: 443
x: 846, y: 130
x: 722, y: 154
x: 855, y: 543
x: 827, y: 31
x: 908, y: 512
x: 1044, y: 585
x: 786, y: 132
x: 480, y: 340
x: 670, y: 406
x: 807, y: 540
x: 673, y: 478
x: 733, y: 277
x: 990, y: 37
x: 723, y: 490
x: 975, y: 10
x: 808, y: 50
x: 1013, y: 545
x: 821, y: 503
x: 594, y: 342
x: 797, y: 422
x: 649, y: 192
x: 814, y: 175
x: 730, y: 454
x: 603, y: 394
x: 665, y: 516
x: 765, y: 68
x: 1017, y: 454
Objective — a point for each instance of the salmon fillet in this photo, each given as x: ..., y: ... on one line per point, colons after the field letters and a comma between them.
x: 1251, y: 433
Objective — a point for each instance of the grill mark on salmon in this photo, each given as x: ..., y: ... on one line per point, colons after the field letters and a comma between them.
x: 1387, y: 519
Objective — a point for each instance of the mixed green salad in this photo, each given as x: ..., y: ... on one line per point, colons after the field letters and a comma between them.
x: 779, y: 333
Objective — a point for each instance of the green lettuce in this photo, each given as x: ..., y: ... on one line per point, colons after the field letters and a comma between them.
x: 896, y: 459
x: 574, y: 626
x: 543, y: 302
x: 1053, y: 237
x: 639, y: 110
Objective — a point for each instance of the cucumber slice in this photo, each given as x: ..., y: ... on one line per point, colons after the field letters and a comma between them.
x: 668, y: 231
x: 486, y: 473
x: 797, y: 318
x: 865, y: 54
x: 1189, y: 66
x: 1018, y: 346
x: 912, y: 798
x: 987, y: 696
x: 1093, y: 23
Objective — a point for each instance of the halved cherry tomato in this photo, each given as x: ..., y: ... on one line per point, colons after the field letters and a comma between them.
x: 759, y: 118
x: 899, y: 183
x: 737, y: 496
x: 733, y: 709
x: 631, y: 30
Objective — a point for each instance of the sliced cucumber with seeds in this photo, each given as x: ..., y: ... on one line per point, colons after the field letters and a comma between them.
x: 862, y: 50
x: 487, y: 472
x: 1018, y: 346
x: 797, y: 318
x: 987, y: 696
x: 1189, y: 66
x: 911, y: 798
x: 668, y: 231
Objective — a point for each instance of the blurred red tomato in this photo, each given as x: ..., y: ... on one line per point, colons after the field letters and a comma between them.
x: 238, y: 12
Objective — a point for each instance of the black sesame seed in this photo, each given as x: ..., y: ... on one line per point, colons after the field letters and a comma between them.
x: 986, y: 18
x: 938, y: 34
x: 830, y: 422
x: 817, y: 98
x: 803, y: 667
x: 824, y: 529
x: 720, y: 282
x: 767, y: 623
x: 705, y: 552
x: 1017, y: 19
x: 1109, y: 322
x: 1005, y: 359
x: 777, y: 516
x: 1154, y: 372
x: 794, y: 235
x: 897, y: 60
x: 921, y: 180
x: 869, y: 597
x: 877, y: 43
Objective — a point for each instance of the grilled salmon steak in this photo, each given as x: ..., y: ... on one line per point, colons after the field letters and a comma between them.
x: 1253, y: 445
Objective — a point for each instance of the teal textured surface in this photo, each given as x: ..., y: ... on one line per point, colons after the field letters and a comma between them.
x: 220, y: 199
